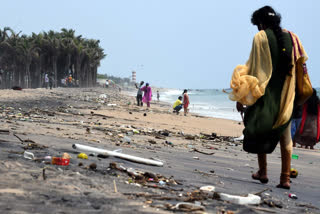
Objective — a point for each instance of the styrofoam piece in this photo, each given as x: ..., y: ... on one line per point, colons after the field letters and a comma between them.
x: 111, y: 104
x: 102, y: 96
x: 238, y: 138
x: 250, y: 199
x: 116, y: 154
x: 208, y: 188
x: 28, y: 155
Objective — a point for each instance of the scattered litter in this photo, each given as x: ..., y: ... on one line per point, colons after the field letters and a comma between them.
x: 293, y: 196
x: 162, y: 183
x: 169, y: 143
x: 208, y: 188
x: 205, y: 153
x: 111, y: 104
x: 272, y: 203
x: 115, y: 186
x: 83, y: 156
x: 88, y: 130
x: 66, y: 156
x: 293, y: 173
x: 136, y: 131
x: 250, y: 199
x: 152, y: 141
x: 238, y: 138
x: 60, y: 161
x: 93, y: 166
x: 188, y: 207
x: 196, y: 158
x: 116, y: 154
x: 294, y: 156
x: 28, y: 155
x: 127, y: 139
x: 102, y: 96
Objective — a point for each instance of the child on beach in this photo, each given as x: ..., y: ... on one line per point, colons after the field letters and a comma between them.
x: 147, y: 96
x: 177, y: 106
x: 185, y: 101
x: 158, y: 96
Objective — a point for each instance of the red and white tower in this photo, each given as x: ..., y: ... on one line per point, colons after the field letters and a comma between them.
x: 134, y: 75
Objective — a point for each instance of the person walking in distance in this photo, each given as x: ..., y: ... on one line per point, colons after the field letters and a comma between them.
x: 147, y: 95
x: 158, y: 96
x: 139, y: 94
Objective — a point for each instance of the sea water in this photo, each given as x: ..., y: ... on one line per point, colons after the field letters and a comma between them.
x: 206, y: 102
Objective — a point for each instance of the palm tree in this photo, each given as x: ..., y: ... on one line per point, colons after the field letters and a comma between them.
x: 24, y: 60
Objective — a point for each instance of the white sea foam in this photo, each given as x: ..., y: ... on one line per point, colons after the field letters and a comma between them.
x: 211, y: 102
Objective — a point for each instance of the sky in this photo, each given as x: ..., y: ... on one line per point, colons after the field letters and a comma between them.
x: 169, y: 43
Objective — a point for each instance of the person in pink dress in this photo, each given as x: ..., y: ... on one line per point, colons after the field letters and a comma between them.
x: 147, y: 96
x: 185, y: 102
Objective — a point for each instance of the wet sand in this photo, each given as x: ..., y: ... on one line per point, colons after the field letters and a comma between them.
x: 56, y: 119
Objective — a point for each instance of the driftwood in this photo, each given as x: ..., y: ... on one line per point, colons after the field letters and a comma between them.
x: 205, y: 153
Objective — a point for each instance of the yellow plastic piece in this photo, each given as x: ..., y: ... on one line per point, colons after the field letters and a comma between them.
x: 83, y: 156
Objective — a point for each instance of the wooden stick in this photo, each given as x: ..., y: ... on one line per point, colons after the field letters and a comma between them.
x: 115, y: 186
x: 262, y: 191
x: 18, y: 137
x: 44, y: 173
x: 205, y: 153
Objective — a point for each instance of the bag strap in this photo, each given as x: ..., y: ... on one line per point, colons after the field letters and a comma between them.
x: 293, y: 44
x: 294, y: 49
x: 304, y: 117
x: 300, y: 52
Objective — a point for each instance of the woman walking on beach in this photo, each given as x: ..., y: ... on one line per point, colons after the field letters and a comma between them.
x: 266, y: 84
x: 185, y: 101
x: 308, y: 132
x: 147, y: 96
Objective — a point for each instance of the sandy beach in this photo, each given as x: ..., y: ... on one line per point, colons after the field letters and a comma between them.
x: 196, y: 151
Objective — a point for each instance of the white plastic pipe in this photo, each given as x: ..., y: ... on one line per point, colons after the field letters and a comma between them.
x: 116, y: 154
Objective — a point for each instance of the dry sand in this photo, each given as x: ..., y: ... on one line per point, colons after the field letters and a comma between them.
x: 56, y: 119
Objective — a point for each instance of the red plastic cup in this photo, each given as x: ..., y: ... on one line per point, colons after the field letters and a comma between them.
x: 60, y: 161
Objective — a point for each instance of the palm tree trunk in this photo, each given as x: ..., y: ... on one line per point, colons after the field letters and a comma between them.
x: 54, y: 63
x: 28, y: 85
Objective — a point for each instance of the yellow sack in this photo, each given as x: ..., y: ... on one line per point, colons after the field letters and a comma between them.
x: 303, y: 84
